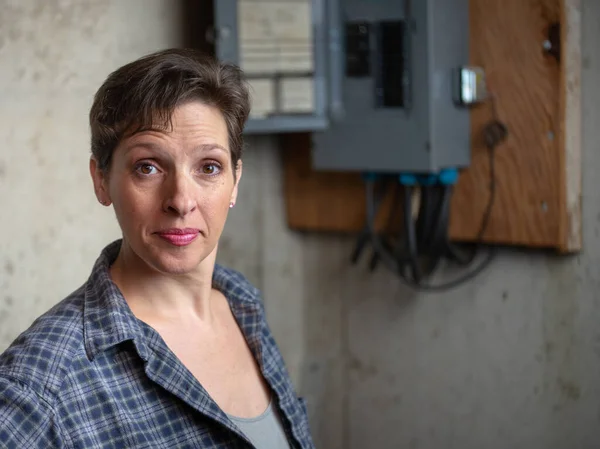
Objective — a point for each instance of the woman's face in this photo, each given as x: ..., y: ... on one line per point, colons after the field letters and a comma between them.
x: 172, y: 190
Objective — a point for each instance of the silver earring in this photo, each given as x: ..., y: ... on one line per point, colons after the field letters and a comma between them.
x: 231, y: 205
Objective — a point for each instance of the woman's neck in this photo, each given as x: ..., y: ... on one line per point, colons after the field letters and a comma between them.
x: 153, y: 295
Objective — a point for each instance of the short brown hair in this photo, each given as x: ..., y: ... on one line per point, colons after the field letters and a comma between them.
x: 142, y: 95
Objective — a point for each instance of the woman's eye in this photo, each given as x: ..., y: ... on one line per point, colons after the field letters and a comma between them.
x: 210, y: 169
x: 146, y: 169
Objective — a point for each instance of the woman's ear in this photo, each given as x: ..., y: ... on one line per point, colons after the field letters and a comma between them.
x: 100, y: 182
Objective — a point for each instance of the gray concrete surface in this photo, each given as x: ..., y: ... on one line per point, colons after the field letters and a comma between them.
x: 511, y: 360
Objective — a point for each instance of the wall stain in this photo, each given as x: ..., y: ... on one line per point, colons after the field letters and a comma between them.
x: 362, y: 370
x: 34, y: 142
x: 14, y: 34
x: 563, y: 282
x: 286, y: 269
x: 391, y: 380
x: 569, y: 389
x: 9, y: 268
x: 19, y: 24
x: 585, y: 62
x: 37, y: 241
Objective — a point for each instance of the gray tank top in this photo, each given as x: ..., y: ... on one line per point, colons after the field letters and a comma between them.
x: 265, y: 431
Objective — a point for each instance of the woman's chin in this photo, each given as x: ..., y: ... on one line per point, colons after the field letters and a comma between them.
x: 172, y: 260
x: 177, y: 264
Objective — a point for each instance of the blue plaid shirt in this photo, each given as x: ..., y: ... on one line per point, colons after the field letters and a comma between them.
x: 89, y: 374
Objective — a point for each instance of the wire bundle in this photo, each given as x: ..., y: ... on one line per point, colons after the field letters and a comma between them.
x: 423, y: 241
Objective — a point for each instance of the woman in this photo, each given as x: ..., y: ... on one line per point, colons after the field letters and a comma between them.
x: 161, y: 347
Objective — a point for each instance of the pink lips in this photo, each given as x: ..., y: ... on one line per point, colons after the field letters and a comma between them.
x: 179, y: 237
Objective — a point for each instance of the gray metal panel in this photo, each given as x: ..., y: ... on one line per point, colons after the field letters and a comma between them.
x: 449, y: 48
x: 227, y: 49
x: 335, y: 65
x: 319, y: 18
x: 366, y: 138
x: 226, y: 30
x: 286, y: 124
x: 378, y: 139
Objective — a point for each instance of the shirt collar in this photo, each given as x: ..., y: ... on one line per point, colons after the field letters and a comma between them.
x: 108, y: 320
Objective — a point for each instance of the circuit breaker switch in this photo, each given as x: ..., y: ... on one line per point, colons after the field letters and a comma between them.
x: 471, y: 87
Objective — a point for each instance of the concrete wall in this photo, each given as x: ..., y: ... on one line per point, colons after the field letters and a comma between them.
x: 511, y: 360
x: 53, y: 56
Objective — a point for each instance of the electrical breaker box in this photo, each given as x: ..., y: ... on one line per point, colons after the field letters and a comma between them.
x: 282, y: 46
x: 394, y: 81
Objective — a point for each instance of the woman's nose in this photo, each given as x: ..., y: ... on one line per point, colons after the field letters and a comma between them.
x: 179, y: 197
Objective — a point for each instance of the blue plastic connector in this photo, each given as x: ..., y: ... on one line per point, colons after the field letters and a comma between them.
x: 369, y: 176
x: 448, y: 176
x: 408, y: 179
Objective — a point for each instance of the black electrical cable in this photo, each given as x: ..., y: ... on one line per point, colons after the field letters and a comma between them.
x: 393, y: 264
x: 494, y: 133
x: 455, y: 253
x: 394, y: 242
x: 426, y: 239
x: 427, y: 215
x: 429, y: 244
x: 364, y: 237
x: 440, y: 229
x: 411, y: 235
x: 438, y: 249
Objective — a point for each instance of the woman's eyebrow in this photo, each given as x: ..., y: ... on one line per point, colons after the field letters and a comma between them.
x: 158, y: 148
x: 211, y: 146
x: 147, y: 145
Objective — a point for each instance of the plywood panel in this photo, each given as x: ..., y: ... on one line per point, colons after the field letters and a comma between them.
x: 570, y: 134
x: 507, y: 40
x: 322, y: 201
x: 537, y: 168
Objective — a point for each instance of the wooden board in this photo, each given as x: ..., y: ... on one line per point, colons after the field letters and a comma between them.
x: 538, y: 168
x: 322, y: 201
x: 570, y: 133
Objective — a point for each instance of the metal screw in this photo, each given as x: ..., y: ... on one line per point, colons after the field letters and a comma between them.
x: 550, y: 135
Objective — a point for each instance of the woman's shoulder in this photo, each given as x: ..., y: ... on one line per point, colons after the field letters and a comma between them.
x: 40, y: 357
